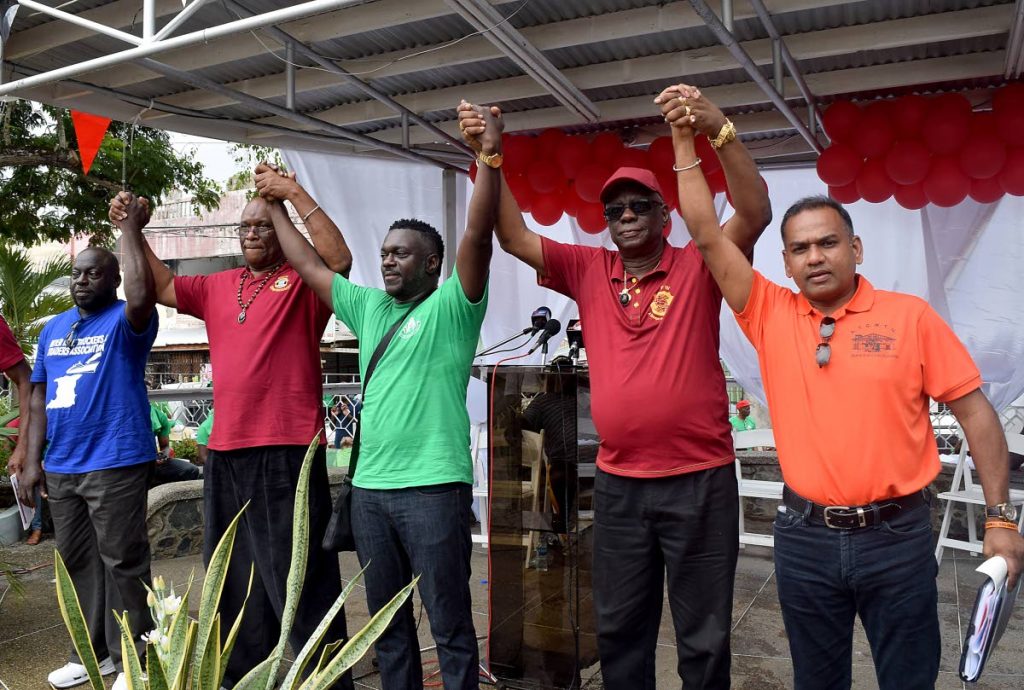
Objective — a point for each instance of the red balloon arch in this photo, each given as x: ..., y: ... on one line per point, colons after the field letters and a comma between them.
x: 922, y: 151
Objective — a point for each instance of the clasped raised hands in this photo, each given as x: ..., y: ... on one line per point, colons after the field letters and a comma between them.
x: 688, y: 111
x: 481, y: 127
x: 129, y: 212
x: 273, y: 183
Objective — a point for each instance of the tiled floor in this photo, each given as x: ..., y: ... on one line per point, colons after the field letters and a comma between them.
x: 33, y: 640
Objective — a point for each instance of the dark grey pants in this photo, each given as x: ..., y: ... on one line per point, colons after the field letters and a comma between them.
x: 266, y: 478
x: 683, y: 526
x: 99, y: 519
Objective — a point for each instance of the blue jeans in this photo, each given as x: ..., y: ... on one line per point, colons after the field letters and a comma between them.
x: 885, y: 574
x: 37, y: 517
x: 423, y: 531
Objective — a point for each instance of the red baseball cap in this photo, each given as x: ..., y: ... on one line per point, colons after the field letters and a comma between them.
x: 641, y: 176
x: 742, y: 403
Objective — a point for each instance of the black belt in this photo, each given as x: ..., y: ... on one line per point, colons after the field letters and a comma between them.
x: 852, y: 517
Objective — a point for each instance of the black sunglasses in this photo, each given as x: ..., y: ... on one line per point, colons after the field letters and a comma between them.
x: 823, y: 353
x: 640, y: 207
x: 71, y: 339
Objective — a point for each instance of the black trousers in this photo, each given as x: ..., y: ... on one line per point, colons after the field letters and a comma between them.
x: 99, y: 520
x: 685, y: 526
x: 267, y: 477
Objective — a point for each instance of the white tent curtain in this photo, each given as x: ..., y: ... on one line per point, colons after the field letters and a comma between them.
x: 964, y: 260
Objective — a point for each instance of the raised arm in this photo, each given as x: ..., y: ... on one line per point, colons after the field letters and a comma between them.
x: 271, y: 183
x: 749, y: 194
x: 473, y: 260
x: 988, y: 450
x: 163, y: 277
x: 301, y: 255
x: 139, y: 286
x: 32, y: 471
x: 725, y: 260
x: 513, y: 235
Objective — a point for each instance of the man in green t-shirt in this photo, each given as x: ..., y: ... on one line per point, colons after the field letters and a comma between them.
x: 168, y: 468
x: 203, y: 437
x: 742, y: 421
x: 413, y: 484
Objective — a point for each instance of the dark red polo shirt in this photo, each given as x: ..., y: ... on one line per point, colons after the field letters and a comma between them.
x: 10, y: 351
x: 266, y: 372
x: 657, y: 387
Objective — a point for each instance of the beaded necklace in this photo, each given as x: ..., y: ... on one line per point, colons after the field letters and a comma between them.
x: 241, y: 283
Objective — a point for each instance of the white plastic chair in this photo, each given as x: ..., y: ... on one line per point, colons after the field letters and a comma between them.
x: 755, y: 488
x: 963, y: 490
x: 481, y: 478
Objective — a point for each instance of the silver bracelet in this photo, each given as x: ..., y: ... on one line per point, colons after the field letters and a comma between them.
x: 317, y: 208
x: 691, y: 166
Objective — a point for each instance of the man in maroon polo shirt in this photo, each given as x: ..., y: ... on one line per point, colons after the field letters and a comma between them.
x: 264, y: 326
x: 665, y: 494
x: 14, y: 366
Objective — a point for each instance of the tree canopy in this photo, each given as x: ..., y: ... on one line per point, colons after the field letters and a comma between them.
x: 43, y: 193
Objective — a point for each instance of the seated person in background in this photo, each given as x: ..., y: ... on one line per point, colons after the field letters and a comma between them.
x: 168, y: 468
x: 203, y: 438
x: 742, y: 421
x: 340, y: 416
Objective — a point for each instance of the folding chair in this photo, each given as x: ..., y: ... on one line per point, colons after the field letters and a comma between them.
x: 755, y: 488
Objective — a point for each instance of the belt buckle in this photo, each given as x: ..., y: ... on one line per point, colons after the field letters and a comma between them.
x: 862, y: 520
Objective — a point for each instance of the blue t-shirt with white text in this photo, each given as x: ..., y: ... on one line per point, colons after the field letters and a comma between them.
x: 97, y: 412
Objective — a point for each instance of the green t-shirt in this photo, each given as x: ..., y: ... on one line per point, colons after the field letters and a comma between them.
x: 159, y: 422
x: 742, y: 424
x: 414, y: 428
x: 203, y: 431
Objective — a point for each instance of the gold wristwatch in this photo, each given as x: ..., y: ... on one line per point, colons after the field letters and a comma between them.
x: 491, y: 160
x: 1002, y: 511
x: 725, y: 135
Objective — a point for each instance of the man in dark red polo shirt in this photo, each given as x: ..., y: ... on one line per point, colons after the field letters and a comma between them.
x: 264, y: 325
x: 14, y: 366
x: 665, y: 491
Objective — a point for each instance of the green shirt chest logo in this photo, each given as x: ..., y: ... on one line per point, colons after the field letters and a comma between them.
x: 410, y: 328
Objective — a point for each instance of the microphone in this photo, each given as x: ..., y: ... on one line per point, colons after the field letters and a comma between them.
x: 539, y: 318
x: 552, y: 327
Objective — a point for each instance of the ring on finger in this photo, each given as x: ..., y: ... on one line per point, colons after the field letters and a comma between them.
x: 686, y: 110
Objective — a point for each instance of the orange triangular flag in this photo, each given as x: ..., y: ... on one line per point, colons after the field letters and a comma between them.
x: 89, y: 130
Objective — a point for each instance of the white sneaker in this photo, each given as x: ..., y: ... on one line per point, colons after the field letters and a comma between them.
x: 121, y: 682
x: 71, y: 674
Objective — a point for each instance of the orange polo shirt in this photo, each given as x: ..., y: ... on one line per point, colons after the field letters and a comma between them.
x: 856, y: 430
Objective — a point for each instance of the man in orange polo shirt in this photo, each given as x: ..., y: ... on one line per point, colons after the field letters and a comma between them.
x: 854, y: 536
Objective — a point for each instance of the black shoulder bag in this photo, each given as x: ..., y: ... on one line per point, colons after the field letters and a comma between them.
x: 338, y: 536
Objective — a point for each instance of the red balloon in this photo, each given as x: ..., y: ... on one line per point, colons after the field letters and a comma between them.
x: 633, y: 158
x: 911, y: 196
x: 605, y: 148
x: 670, y: 189
x: 847, y: 194
x: 840, y: 121
x: 717, y: 182
x: 983, y: 156
x: 545, y: 176
x: 472, y: 172
x: 986, y: 191
x: 908, y: 115
x: 549, y: 141
x: 519, y: 151
x: 661, y: 154
x: 873, y: 184
x: 947, y: 123
x: 589, y: 181
x: 1011, y: 177
x: 875, y: 133
x: 1008, y: 108
x: 572, y: 153
x: 521, y: 190
x: 907, y: 162
x: 590, y: 218
x: 709, y: 162
x: 946, y: 184
x: 571, y: 200
x: 839, y: 164
x: 547, y: 208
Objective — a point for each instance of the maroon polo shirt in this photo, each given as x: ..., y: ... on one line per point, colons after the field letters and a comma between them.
x: 10, y: 351
x: 267, y: 377
x: 657, y: 387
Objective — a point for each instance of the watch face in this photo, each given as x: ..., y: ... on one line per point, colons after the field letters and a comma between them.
x: 1006, y: 511
x: 1010, y: 512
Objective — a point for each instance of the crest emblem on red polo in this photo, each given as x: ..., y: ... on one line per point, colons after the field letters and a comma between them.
x: 281, y: 284
x: 661, y: 302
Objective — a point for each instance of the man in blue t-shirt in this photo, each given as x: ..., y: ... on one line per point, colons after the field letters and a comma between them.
x: 90, y: 413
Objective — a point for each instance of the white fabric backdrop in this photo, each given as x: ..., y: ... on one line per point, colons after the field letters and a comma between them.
x: 965, y: 261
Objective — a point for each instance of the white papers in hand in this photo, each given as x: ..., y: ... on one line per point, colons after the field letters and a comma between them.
x: 25, y: 512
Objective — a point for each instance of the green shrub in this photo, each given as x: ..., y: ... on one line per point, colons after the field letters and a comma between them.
x: 186, y: 449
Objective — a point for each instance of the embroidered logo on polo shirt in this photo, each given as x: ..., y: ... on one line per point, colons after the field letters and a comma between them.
x: 281, y: 284
x: 874, y: 340
x: 661, y: 302
x: 411, y: 327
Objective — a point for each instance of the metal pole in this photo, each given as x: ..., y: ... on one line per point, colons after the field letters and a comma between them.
x: 405, y: 130
x: 448, y: 192
x: 727, y: 15
x: 289, y: 75
x: 81, y: 21
x: 154, y: 47
x: 371, y: 91
x: 179, y: 19
x: 741, y: 56
x: 148, y: 20
x: 777, y: 73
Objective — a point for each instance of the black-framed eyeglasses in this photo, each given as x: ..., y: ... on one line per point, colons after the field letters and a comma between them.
x: 823, y: 353
x: 261, y: 230
x: 71, y: 339
x: 640, y: 207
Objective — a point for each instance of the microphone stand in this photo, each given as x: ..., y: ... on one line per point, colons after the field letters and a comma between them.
x: 526, y: 331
